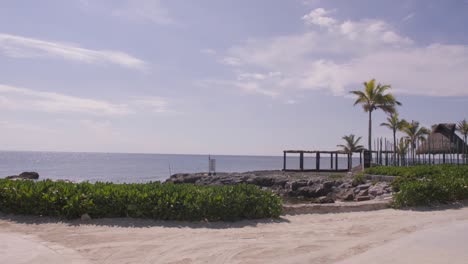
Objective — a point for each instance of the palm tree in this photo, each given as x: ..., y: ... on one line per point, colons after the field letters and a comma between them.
x: 395, y: 124
x: 414, y: 133
x: 375, y: 97
x: 402, y: 149
x: 352, y: 145
x: 462, y: 127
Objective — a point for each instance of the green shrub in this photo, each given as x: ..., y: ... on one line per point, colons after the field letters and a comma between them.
x: 150, y: 200
x: 358, y: 179
x: 426, y: 184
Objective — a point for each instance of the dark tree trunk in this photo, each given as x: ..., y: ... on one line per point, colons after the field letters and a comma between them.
x: 370, y: 131
x: 394, y: 147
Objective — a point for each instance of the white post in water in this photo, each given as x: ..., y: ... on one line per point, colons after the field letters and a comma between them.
x: 211, y: 166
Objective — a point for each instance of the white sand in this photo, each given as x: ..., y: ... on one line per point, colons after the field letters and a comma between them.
x: 312, y: 238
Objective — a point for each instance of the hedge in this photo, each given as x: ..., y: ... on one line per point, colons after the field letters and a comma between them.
x: 149, y: 200
x: 426, y: 184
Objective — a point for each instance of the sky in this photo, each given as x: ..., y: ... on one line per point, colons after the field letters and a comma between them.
x: 222, y: 77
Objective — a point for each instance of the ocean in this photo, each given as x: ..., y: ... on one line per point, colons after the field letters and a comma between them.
x: 134, y: 168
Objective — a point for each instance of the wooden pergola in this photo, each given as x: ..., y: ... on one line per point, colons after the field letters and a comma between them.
x: 333, y: 160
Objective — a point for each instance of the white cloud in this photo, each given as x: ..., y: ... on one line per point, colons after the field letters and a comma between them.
x: 291, y: 102
x: 231, y: 61
x: 26, y: 99
x: 408, y: 17
x: 22, y: 47
x: 346, y: 54
x: 142, y: 11
x: 208, y: 51
x: 15, y: 98
x: 154, y: 103
x: 318, y: 17
x: 256, y: 88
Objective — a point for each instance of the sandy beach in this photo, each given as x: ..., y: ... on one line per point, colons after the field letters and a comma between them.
x: 308, y: 238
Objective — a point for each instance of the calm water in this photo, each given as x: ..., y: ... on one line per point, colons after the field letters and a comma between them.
x: 136, y: 167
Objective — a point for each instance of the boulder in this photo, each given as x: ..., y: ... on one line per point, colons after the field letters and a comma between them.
x: 325, y: 199
x: 346, y: 185
x: 329, y: 184
x: 27, y: 175
x: 263, y: 181
x: 295, y: 185
x: 313, y: 182
x: 345, y: 195
x: 313, y: 191
x: 378, y: 189
x: 184, y: 178
x: 363, y: 192
x: 364, y: 186
x: 85, y: 217
x: 280, y: 182
x: 363, y: 198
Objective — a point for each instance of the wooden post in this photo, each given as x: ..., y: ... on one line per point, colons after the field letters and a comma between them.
x: 443, y: 158
x: 284, y: 160
x: 360, y: 157
x: 331, y: 161
x: 317, y: 161
x: 336, y: 161
x: 301, y: 161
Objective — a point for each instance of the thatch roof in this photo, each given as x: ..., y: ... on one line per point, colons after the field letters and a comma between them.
x: 442, y: 140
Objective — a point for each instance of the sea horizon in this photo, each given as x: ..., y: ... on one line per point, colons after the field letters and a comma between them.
x: 137, y: 167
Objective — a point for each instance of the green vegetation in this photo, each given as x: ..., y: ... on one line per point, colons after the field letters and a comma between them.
x: 425, y: 184
x: 358, y: 179
x: 150, y: 200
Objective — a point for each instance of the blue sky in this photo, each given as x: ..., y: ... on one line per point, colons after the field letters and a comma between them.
x: 221, y: 77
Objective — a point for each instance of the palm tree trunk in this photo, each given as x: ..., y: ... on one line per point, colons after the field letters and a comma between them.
x: 394, y: 147
x: 370, y: 131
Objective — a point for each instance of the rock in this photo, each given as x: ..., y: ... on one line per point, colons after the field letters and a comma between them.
x: 27, y: 175
x: 280, y: 182
x: 313, y: 191
x: 325, y: 199
x: 263, y: 181
x: 377, y: 189
x: 363, y: 192
x: 346, y: 185
x: 363, y: 198
x: 295, y: 185
x: 313, y: 182
x: 364, y: 186
x: 329, y: 184
x: 85, y: 217
x: 345, y: 195
x: 184, y: 178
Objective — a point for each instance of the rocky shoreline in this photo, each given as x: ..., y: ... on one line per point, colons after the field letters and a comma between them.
x: 296, y: 186
x: 293, y: 187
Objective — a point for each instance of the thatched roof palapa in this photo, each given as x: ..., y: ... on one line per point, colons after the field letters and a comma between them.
x: 442, y: 140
